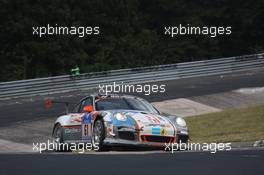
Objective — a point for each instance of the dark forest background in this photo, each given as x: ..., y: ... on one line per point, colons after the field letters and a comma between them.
x: 131, y: 34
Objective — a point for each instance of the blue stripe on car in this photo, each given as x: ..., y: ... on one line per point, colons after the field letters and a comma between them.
x: 156, y: 131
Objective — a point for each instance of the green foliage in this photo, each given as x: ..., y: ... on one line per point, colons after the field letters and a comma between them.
x: 131, y: 34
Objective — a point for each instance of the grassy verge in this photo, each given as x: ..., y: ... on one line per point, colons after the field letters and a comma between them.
x: 228, y: 126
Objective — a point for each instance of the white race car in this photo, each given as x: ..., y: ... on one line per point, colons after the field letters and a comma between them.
x: 118, y: 120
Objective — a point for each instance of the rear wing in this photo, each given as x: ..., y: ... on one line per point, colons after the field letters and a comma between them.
x: 49, y: 103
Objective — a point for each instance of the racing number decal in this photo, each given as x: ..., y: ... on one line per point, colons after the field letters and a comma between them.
x: 153, y: 120
x: 87, y: 129
x: 87, y: 126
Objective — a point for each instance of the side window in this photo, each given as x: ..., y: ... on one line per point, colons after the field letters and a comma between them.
x: 85, y: 102
x: 76, y: 108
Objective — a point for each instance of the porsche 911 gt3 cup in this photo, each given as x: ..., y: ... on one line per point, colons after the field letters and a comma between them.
x: 118, y: 120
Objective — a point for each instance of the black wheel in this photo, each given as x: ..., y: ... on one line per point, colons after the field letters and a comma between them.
x: 58, y: 139
x: 98, y: 135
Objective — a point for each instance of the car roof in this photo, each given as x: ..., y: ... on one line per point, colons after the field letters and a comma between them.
x: 115, y: 95
x: 111, y: 95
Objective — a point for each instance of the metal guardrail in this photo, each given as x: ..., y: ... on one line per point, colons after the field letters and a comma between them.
x: 66, y: 83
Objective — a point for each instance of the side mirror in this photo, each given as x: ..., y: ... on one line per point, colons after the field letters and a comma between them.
x: 88, y: 108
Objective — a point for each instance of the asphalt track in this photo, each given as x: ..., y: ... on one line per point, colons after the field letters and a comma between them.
x: 224, y: 163
x: 16, y: 110
x: 248, y: 162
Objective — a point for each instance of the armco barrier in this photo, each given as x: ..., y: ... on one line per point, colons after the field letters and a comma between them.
x: 66, y: 83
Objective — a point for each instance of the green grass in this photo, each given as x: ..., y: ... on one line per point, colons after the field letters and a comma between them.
x: 234, y: 125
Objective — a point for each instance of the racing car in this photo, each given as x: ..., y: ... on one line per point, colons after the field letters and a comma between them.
x: 118, y: 120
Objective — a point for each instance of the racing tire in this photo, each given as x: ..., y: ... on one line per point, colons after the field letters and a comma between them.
x: 58, y: 139
x: 98, y: 135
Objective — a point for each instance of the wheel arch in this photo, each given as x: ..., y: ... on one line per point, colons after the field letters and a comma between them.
x: 62, y: 120
x: 55, y: 125
x: 101, y: 117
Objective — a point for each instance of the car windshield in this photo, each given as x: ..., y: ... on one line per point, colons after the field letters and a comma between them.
x: 125, y: 103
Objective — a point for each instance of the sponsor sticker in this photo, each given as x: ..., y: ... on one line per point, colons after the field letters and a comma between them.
x: 159, y: 131
x: 163, y: 131
x: 71, y: 130
x: 156, y: 130
x: 76, y: 118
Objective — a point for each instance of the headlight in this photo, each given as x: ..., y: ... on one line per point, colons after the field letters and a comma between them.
x: 120, y: 116
x: 181, y: 122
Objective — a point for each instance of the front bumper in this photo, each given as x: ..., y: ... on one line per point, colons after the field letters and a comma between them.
x: 123, y: 142
x: 135, y: 138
